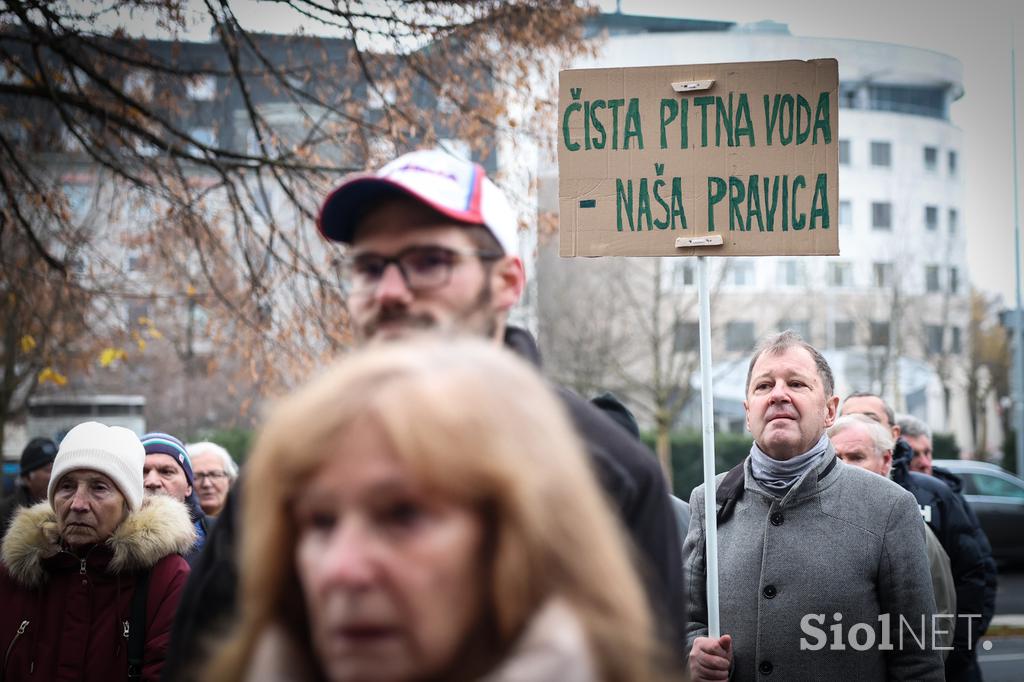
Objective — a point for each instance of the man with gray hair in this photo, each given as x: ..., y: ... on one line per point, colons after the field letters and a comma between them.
x: 919, y: 438
x: 863, y: 442
x: 807, y: 546
x: 215, y: 472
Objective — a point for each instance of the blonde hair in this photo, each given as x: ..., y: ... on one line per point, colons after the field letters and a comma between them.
x: 479, y: 427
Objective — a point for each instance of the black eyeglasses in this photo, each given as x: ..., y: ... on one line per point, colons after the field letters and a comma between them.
x: 422, y: 267
x: 213, y: 476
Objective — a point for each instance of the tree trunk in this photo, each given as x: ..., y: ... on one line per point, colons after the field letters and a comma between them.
x: 663, y: 448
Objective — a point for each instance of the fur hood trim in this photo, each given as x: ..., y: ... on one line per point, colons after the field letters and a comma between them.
x: 160, y: 527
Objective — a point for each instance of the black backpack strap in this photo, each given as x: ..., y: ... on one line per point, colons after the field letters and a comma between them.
x: 136, y: 627
x: 730, y: 490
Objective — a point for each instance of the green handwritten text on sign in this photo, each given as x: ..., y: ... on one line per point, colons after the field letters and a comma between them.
x: 753, y: 158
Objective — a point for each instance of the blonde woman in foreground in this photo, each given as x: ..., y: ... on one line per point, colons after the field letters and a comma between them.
x: 424, y: 511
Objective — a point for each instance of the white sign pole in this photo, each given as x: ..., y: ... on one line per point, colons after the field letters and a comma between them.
x: 708, y: 431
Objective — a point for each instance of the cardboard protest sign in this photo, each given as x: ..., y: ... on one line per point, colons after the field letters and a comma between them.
x: 752, y: 158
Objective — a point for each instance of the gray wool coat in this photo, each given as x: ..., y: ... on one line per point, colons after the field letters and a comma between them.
x: 842, y: 540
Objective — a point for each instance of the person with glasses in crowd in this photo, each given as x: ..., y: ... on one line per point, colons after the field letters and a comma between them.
x: 214, y: 473
x: 432, y: 245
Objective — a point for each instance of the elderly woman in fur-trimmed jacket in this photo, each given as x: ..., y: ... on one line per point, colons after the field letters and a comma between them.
x: 71, y: 566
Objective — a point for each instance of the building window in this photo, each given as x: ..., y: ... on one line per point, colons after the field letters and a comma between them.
x: 685, y: 275
x: 203, y: 135
x: 952, y: 162
x: 11, y: 75
x: 252, y: 142
x: 678, y: 274
x: 742, y: 273
x: 446, y: 105
x: 843, y: 334
x: 848, y: 96
x: 879, y: 334
x: 298, y: 80
x: 801, y: 327
x: 845, y: 214
x: 844, y: 152
x: 80, y: 197
x: 931, y: 159
x: 931, y: 278
x: 882, y: 275
x: 933, y: 338
x: 957, y: 343
x: 136, y: 261
x: 138, y: 313
x: 688, y: 275
x: 931, y: 218
x: 840, y: 275
x: 954, y: 280
x: 15, y: 131
x: 789, y: 273
x: 686, y: 338
x: 138, y: 84
x: 881, y: 215
x: 954, y: 221
x: 908, y: 99
x: 202, y: 88
x: 881, y: 154
x: 69, y: 142
x: 739, y: 336
x: 381, y: 95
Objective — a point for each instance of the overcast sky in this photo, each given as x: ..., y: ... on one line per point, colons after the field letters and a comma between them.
x: 976, y: 32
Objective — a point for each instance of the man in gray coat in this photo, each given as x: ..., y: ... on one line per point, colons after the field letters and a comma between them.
x: 823, y: 571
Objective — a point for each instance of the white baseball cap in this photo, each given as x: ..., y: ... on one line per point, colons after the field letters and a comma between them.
x: 454, y: 187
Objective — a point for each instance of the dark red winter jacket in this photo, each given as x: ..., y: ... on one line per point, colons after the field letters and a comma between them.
x: 63, y: 614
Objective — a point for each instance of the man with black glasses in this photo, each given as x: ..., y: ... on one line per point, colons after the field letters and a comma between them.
x: 433, y: 245
x: 449, y: 231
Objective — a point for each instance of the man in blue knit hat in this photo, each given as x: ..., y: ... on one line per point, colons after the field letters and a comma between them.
x: 168, y: 471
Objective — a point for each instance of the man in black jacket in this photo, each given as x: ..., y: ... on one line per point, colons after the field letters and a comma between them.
x: 33, y: 477
x: 970, y: 555
x: 452, y: 238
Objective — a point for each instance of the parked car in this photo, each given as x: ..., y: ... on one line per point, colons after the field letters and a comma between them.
x: 997, y: 497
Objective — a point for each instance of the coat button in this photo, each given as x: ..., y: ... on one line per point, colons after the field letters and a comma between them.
x: 769, y: 591
x: 765, y: 668
x: 777, y: 518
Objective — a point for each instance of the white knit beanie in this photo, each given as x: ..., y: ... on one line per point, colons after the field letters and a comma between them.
x: 113, y: 451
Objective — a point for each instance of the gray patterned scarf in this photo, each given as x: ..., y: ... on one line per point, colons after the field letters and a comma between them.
x: 779, y: 475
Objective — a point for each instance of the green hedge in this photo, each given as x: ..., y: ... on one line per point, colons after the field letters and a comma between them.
x: 236, y: 441
x: 944, y: 446
x: 731, y: 448
x: 1010, y: 452
x: 688, y: 457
